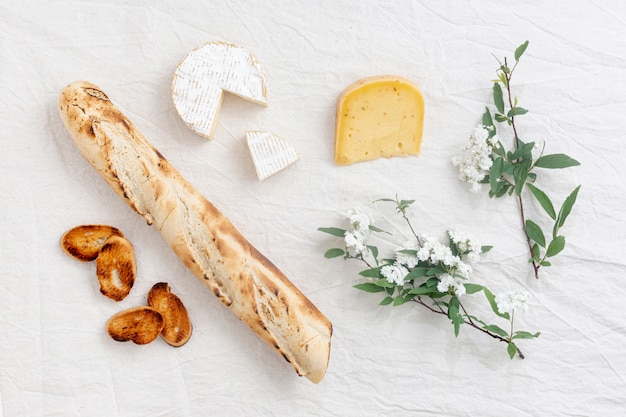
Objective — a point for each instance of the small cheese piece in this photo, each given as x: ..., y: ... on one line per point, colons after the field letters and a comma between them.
x: 378, y: 116
x: 203, y: 76
x: 270, y: 153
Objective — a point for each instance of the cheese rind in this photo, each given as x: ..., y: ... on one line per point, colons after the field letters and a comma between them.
x: 270, y: 153
x: 208, y: 71
x: 378, y: 116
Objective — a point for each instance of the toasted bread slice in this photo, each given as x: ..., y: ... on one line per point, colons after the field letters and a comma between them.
x: 177, y: 329
x: 140, y: 325
x: 116, y: 268
x: 84, y: 242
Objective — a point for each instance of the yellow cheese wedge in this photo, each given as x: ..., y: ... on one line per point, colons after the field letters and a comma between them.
x: 378, y: 116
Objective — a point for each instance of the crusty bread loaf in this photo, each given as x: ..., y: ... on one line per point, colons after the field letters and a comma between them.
x: 253, y: 288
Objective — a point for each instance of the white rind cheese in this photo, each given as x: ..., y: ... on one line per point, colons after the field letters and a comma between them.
x: 203, y: 76
x: 270, y: 153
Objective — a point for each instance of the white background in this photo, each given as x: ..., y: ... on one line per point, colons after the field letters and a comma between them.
x: 56, y: 358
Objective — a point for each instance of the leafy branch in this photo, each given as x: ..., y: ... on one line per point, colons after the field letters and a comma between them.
x: 510, y: 172
x: 428, y: 273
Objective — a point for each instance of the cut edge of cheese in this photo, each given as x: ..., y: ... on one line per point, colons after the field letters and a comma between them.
x: 270, y: 153
x: 206, y: 73
x: 379, y: 116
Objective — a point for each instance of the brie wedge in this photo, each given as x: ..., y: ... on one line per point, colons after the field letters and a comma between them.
x: 378, y: 116
x: 270, y: 153
x: 203, y: 76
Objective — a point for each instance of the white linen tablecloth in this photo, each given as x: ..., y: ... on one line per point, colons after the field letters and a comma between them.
x: 56, y: 358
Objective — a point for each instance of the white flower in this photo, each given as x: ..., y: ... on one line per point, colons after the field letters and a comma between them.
x: 512, y: 300
x: 475, y: 160
x: 463, y: 269
x: 473, y: 257
x: 358, y: 220
x: 355, y: 240
x: 481, y: 133
x: 447, y: 282
x: 394, y: 273
x: 494, y: 141
x: 406, y: 259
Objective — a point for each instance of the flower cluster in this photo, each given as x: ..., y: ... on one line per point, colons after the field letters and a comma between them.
x: 423, y: 268
x: 512, y: 170
x: 511, y: 301
x: 359, y: 230
x: 476, y: 160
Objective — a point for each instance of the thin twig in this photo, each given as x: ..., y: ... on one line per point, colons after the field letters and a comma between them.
x: 470, y: 323
x: 536, y: 266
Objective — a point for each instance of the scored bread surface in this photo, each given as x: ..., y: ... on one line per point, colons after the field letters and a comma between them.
x: 245, y: 281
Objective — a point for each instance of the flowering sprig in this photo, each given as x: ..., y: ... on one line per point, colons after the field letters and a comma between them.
x: 485, y: 160
x: 432, y: 274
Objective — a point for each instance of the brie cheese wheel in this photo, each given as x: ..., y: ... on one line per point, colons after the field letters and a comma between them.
x: 270, y: 153
x: 203, y: 76
x: 378, y: 116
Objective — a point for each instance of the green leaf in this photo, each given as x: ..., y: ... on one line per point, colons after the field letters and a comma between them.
x: 487, y: 120
x: 377, y: 229
x: 382, y: 282
x: 520, y: 50
x: 492, y: 302
x: 485, y: 248
x: 438, y: 269
x: 511, y: 349
x: 556, y: 161
x: 536, y: 253
x: 496, y: 329
x: 387, y: 300
x: 503, y: 187
x: 545, y: 263
x: 334, y: 253
x: 566, y: 208
x: 371, y: 273
x: 374, y: 251
x: 498, y: 100
x: 556, y: 246
x: 335, y: 231
x: 524, y: 151
x: 454, y: 315
x: 417, y: 273
x: 501, y: 118
x: 399, y: 300
x: 516, y: 111
x: 472, y: 288
x: 525, y: 335
x: 543, y: 200
x: 495, y: 172
x: 421, y: 290
x: 520, y: 174
x: 369, y: 287
x: 534, y: 232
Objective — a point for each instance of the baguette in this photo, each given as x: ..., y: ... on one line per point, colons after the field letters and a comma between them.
x: 246, y: 282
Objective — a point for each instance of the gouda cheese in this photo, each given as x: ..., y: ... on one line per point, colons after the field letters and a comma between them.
x: 378, y: 116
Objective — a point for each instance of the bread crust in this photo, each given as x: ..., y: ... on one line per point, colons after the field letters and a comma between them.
x: 140, y: 325
x: 116, y: 267
x: 244, y: 280
x: 177, y: 329
x: 85, y: 242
